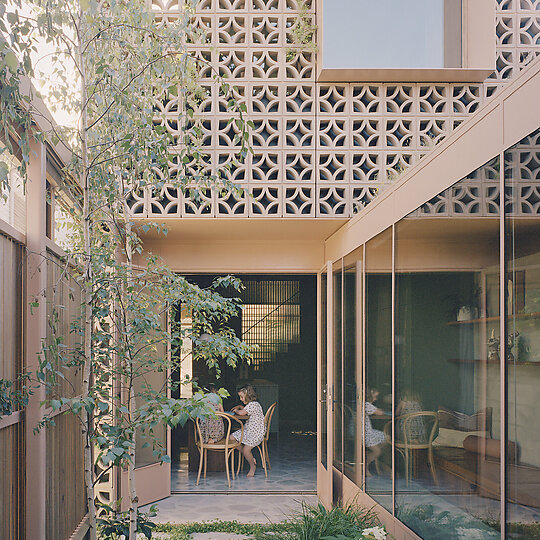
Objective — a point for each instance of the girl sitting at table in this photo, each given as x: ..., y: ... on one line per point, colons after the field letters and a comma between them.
x: 254, y: 427
x: 374, y: 438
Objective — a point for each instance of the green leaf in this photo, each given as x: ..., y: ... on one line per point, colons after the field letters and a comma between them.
x: 55, y: 404
x: 11, y: 61
x: 102, y: 406
x: 12, y: 17
x: 4, y: 172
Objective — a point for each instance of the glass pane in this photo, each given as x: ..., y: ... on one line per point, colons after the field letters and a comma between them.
x: 392, y: 34
x: 337, y: 405
x: 352, y: 365
x: 378, y: 404
x: 522, y: 183
x: 324, y: 379
x: 447, y: 383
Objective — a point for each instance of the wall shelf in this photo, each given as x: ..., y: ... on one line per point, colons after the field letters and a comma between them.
x: 535, y: 315
x: 480, y: 361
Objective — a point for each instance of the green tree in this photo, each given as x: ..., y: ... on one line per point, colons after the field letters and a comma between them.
x: 126, y: 67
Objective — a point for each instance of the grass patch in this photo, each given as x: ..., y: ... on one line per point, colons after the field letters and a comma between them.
x: 255, y: 530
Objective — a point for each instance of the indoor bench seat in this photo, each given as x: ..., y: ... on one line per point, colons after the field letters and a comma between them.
x: 523, y: 482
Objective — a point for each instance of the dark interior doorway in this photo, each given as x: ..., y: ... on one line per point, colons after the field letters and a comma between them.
x: 279, y: 315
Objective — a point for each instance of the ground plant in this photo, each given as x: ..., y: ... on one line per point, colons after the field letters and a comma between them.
x: 115, y: 524
x: 114, y: 68
x: 340, y: 522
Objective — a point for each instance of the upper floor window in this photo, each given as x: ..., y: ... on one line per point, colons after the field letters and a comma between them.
x: 415, y: 40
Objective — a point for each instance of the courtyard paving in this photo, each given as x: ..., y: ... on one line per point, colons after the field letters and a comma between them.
x: 241, y: 508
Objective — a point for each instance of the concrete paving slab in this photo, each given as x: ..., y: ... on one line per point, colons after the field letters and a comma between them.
x: 241, y: 508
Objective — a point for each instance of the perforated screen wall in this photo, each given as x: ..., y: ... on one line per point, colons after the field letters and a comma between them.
x: 320, y: 150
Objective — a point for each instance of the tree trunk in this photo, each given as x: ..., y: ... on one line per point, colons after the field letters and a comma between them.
x: 87, y: 298
x: 133, y: 499
x: 132, y: 405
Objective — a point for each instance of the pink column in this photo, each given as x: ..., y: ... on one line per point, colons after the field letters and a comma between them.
x: 36, y: 327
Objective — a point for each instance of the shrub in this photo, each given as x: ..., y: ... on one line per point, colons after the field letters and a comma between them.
x: 340, y: 522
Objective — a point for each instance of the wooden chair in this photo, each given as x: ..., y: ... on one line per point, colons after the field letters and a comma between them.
x: 225, y: 445
x: 263, y: 447
x: 405, y: 442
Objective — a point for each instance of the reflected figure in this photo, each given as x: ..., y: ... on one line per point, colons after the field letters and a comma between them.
x: 374, y: 438
x: 416, y: 427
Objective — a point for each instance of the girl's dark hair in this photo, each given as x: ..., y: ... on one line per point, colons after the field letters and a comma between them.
x: 249, y: 392
x: 211, y: 387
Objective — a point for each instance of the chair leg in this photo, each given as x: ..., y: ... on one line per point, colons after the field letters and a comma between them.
x: 377, y: 467
x: 240, y: 460
x: 407, y: 468
x: 227, y: 470
x: 432, y: 466
x: 231, y: 456
x: 205, y: 461
x: 266, y: 454
x: 200, y: 465
x: 263, y: 459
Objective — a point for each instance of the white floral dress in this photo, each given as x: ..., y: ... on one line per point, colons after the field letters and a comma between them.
x: 373, y: 436
x: 254, y: 427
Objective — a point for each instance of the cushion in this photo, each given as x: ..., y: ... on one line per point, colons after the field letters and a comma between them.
x: 455, y: 437
x: 490, y: 447
x: 479, y: 421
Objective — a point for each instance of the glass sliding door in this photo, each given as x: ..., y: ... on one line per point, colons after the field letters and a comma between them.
x: 337, y: 383
x: 323, y: 438
x: 352, y: 365
x: 447, y: 435
x: 378, y: 347
x: 522, y: 188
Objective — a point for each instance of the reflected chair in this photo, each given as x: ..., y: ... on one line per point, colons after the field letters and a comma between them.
x: 263, y: 447
x: 407, y: 438
x: 225, y: 445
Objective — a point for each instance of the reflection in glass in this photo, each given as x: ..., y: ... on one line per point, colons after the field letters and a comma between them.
x: 352, y: 365
x: 324, y: 382
x: 378, y: 404
x: 522, y: 190
x: 337, y: 394
x: 447, y: 369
